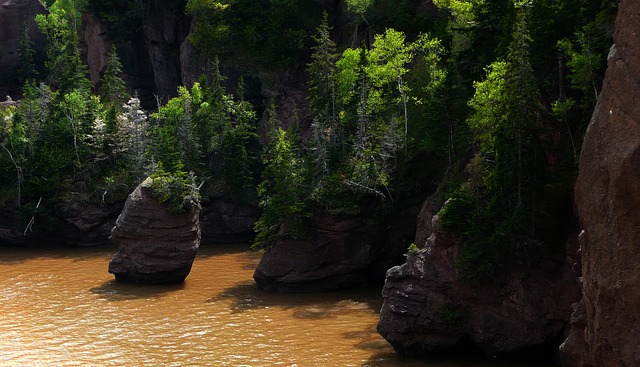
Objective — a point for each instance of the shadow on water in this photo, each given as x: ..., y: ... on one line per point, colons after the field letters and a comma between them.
x: 313, y: 306
x: 114, y: 290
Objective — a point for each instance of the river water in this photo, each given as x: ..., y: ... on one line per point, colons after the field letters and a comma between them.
x: 60, y: 307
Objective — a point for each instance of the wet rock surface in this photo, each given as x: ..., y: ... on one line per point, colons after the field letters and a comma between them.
x: 154, y: 245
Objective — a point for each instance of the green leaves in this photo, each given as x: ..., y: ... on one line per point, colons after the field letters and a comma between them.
x: 177, y: 190
x: 284, y: 191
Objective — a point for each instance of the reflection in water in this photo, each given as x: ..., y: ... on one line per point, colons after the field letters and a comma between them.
x: 60, y: 307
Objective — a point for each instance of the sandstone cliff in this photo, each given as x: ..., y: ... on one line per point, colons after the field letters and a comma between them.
x: 338, y: 251
x: 607, y: 199
x: 428, y: 310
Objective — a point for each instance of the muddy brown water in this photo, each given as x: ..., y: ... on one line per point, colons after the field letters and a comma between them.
x: 60, y: 307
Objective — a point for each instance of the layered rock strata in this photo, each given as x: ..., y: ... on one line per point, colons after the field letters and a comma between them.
x: 337, y: 252
x: 607, y: 200
x: 333, y: 256
x: 427, y: 310
x: 154, y: 245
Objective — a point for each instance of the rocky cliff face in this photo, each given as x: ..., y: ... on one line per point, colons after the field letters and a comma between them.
x: 15, y: 15
x: 337, y: 252
x: 607, y: 199
x: 152, y: 59
x: 428, y: 310
x: 154, y: 245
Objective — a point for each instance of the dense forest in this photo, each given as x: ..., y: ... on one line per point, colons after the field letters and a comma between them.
x: 482, y: 102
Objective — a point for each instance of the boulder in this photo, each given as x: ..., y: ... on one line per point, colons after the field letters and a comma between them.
x: 154, y: 244
x: 427, y: 310
x: 607, y: 199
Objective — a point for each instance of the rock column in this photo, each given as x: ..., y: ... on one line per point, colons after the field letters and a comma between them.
x: 154, y: 245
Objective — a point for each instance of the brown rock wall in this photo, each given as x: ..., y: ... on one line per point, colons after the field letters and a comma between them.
x: 428, y: 310
x: 607, y: 200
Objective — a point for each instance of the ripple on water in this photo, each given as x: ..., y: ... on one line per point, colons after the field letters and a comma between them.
x: 64, y: 309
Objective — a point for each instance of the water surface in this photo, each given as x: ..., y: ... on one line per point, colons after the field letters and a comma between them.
x: 60, y: 307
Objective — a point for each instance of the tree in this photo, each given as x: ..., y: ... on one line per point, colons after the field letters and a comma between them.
x: 389, y: 58
x: 11, y: 137
x: 284, y: 193
x: 497, y: 209
x: 74, y: 107
x: 26, y: 54
x: 114, y: 89
x: 60, y: 27
x: 174, y: 136
x: 132, y: 138
x: 322, y: 95
x: 359, y: 8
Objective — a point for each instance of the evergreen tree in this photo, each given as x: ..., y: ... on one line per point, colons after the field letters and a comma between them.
x: 284, y: 193
x: 132, y: 139
x: 322, y: 95
x: 26, y: 57
x: 114, y: 89
x: 497, y: 208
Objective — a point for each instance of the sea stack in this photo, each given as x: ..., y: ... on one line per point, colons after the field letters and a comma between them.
x: 155, y: 245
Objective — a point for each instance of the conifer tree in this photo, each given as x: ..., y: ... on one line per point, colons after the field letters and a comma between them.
x: 284, y: 194
x: 114, y: 89
x: 26, y: 54
x: 322, y: 95
x: 132, y: 138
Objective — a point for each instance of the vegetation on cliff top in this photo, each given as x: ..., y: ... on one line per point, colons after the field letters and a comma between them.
x: 496, y: 94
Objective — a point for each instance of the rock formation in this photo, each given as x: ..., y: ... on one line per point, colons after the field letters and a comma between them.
x: 427, y: 310
x: 337, y: 252
x: 224, y: 220
x: 95, y: 37
x: 15, y: 15
x: 607, y: 199
x: 165, y: 31
x: 154, y: 245
x: 335, y: 255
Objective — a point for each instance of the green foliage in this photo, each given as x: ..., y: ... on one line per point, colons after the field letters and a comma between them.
x: 413, y: 249
x: 359, y: 6
x: 114, y: 89
x: 284, y: 191
x: 177, y: 190
x: 239, y: 147
x: 61, y: 28
x: 267, y: 32
x: 26, y: 58
x: 497, y: 209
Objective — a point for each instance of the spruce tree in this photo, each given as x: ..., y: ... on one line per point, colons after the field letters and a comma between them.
x: 114, y: 89
x: 322, y: 95
x: 26, y: 53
